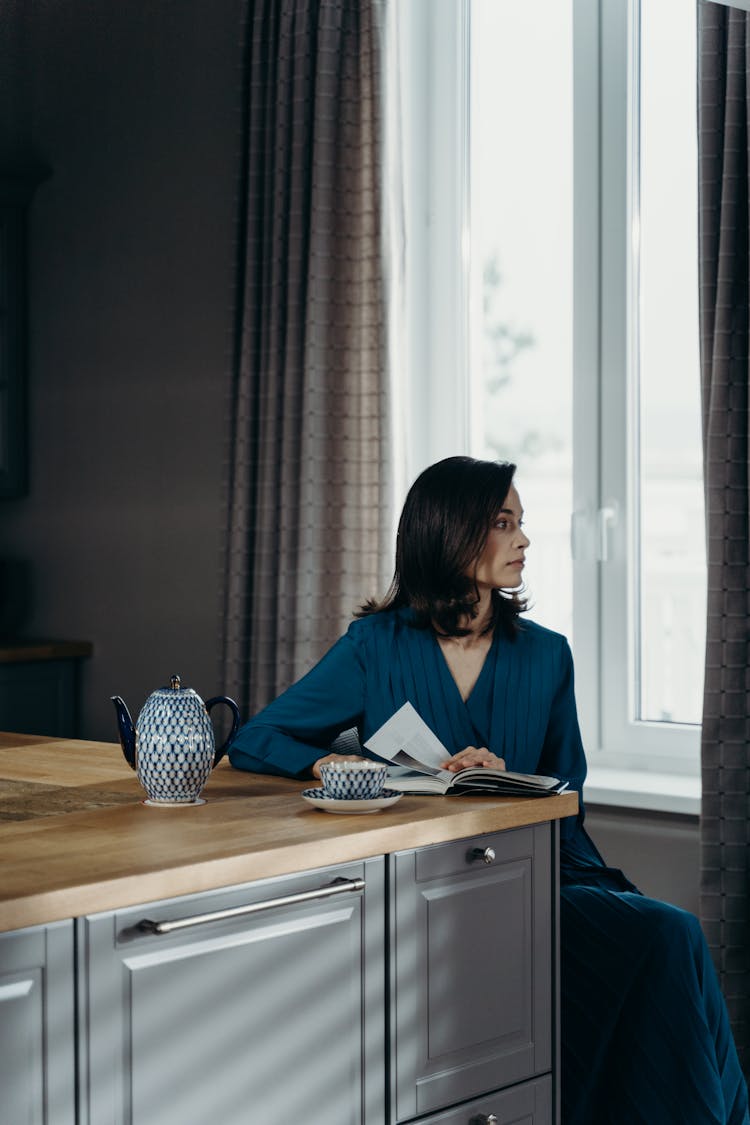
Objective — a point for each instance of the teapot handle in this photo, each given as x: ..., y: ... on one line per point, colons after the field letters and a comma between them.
x: 221, y: 751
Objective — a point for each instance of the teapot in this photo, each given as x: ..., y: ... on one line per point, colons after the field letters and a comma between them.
x: 172, y: 745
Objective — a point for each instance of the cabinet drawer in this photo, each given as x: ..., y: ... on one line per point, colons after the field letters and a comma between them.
x: 472, y: 973
x: 527, y: 1104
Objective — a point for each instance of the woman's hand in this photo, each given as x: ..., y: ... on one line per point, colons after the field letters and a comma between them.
x: 334, y: 758
x: 473, y: 756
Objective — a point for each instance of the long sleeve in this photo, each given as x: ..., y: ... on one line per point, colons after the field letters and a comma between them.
x: 563, y: 756
x: 291, y: 733
x: 562, y: 751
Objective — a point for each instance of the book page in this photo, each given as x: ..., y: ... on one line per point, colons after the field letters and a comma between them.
x: 406, y: 740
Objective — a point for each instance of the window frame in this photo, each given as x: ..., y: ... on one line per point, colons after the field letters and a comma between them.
x: 433, y: 37
x: 624, y: 741
x: 434, y: 115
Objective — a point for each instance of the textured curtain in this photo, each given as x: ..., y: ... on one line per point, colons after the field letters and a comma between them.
x: 724, y: 141
x: 309, y: 519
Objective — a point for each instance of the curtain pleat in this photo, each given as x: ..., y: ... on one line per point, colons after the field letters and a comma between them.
x: 309, y: 519
x: 724, y: 198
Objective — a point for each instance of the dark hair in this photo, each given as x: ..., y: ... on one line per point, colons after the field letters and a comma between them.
x: 443, y: 529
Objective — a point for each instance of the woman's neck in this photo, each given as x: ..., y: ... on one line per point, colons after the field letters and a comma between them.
x: 478, y: 626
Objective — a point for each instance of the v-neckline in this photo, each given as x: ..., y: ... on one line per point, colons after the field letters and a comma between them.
x: 451, y: 677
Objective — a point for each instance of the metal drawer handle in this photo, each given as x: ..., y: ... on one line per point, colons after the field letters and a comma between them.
x: 489, y: 1119
x: 337, y: 887
x: 486, y: 854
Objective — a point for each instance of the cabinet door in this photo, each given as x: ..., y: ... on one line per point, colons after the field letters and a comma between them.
x: 471, y: 949
x: 37, y: 1026
x: 270, y: 1016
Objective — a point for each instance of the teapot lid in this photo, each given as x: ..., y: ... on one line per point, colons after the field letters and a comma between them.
x: 175, y: 683
x: 173, y: 690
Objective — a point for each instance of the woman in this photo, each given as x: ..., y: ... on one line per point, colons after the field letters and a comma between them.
x: 645, y: 1034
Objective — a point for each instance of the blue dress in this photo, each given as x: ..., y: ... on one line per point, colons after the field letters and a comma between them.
x: 645, y: 1033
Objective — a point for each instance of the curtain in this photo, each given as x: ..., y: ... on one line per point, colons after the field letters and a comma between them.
x: 723, y: 118
x: 308, y: 521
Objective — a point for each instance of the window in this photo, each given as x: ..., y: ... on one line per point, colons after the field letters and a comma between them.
x: 670, y: 599
x: 652, y: 592
x: 550, y: 289
x: 521, y: 275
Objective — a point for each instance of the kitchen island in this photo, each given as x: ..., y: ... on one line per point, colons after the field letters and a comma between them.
x: 252, y: 959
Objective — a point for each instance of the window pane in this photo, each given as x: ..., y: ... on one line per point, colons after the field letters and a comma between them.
x: 521, y: 247
x: 672, y: 578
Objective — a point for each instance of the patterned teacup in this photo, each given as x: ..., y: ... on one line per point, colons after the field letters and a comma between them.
x: 353, y: 781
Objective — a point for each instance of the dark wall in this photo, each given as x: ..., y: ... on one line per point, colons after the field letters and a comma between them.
x: 658, y: 851
x: 135, y: 110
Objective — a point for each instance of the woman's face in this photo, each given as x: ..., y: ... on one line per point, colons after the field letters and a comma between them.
x: 500, y: 565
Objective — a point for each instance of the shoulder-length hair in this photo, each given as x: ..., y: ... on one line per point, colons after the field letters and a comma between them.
x: 443, y: 530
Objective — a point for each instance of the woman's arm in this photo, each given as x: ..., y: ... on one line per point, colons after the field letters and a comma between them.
x: 562, y: 753
x: 563, y: 756
x: 292, y: 734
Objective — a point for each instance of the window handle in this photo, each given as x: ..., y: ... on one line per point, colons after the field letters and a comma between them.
x: 606, y: 518
x: 582, y: 523
x: 575, y: 534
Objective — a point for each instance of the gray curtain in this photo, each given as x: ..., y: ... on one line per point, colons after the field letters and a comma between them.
x: 724, y: 142
x: 308, y: 519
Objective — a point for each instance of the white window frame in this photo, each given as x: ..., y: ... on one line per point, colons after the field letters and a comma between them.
x: 435, y: 116
x: 431, y: 35
x: 650, y: 747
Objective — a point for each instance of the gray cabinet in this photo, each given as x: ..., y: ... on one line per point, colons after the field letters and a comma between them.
x: 472, y: 1004
x: 527, y: 1104
x: 261, y: 1003
x: 37, y: 1040
x: 419, y: 987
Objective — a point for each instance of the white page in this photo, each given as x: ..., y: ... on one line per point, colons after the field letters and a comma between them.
x: 407, y: 740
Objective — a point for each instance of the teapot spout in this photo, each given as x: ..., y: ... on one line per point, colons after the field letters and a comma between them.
x: 126, y: 729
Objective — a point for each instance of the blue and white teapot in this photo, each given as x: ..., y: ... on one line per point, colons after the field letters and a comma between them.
x: 172, y: 746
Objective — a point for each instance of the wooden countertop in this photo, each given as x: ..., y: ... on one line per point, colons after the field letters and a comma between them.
x: 75, y: 837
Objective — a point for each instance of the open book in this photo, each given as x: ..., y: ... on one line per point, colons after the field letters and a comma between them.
x: 407, y: 742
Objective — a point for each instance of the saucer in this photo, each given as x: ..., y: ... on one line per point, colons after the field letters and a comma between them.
x: 172, y: 804
x: 317, y: 798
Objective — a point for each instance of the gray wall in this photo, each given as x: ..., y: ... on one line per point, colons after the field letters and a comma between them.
x: 135, y: 109
x: 659, y: 852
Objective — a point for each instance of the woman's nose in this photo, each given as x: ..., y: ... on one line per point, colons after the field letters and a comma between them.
x: 523, y: 539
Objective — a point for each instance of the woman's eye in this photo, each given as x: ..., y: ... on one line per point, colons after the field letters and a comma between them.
x: 501, y: 524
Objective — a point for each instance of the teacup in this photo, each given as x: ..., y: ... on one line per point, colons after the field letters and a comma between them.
x: 353, y: 781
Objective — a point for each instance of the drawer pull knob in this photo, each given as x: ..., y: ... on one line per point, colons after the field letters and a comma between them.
x: 485, y: 1119
x: 488, y: 856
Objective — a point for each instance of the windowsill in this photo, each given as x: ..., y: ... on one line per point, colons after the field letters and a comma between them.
x: 641, y: 790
